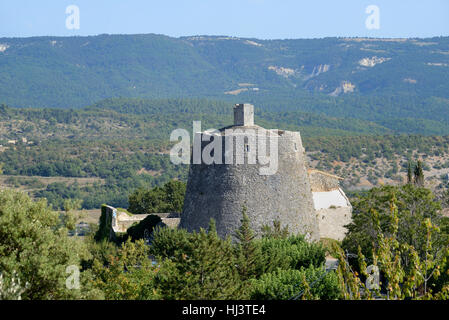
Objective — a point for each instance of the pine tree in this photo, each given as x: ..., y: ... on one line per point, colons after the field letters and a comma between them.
x: 204, y: 269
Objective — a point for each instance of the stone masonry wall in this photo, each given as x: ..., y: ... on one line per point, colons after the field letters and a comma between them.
x: 220, y: 191
x: 322, y: 181
x: 332, y: 222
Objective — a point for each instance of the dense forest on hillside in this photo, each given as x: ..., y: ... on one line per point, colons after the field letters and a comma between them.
x: 66, y: 72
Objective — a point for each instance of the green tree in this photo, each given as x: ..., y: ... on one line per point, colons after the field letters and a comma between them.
x: 402, y: 280
x: 414, y: 205
x: 296, y: 284
x: 128, y: 275
x: 168, y: 198
x: 35, y: 249
x: 203, y: 267
x: 248, y: 252
x: 174, y: 191
x: 290, y: 253
x: 419, y: 175
x: 409, y: 173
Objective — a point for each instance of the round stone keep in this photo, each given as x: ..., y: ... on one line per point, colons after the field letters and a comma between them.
x: 238, y: 177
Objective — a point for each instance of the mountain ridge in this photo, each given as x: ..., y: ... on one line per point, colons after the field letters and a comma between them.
x: 77, y: 71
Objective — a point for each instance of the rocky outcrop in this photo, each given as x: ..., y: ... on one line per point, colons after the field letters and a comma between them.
x: 373, y: 61
x: 3, y: 47
x: 282, y: 71
x: 322, y: 68
x: 345, y: 87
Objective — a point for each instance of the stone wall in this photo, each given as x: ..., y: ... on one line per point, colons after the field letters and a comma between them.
x: 323, y: 181
x: 114, y: 221
x: 123, y: 221
x: 333, y: 209
x: 333, y: 220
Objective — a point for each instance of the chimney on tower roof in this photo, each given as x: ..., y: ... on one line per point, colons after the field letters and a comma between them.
x: 244, y: 114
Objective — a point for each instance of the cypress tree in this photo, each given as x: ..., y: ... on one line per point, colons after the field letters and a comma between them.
x: 419, y: 175
x: 248, y: 252
x: 409, y: 173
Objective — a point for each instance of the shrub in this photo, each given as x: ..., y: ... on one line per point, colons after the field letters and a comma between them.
x: 286, y: 284
x: 291, y: 253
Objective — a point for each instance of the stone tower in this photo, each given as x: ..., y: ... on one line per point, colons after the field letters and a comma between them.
x: 245, y: 165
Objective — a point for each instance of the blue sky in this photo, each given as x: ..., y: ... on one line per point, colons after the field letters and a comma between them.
x: 263, y: 19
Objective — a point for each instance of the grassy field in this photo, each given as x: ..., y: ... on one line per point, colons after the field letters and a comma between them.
x: 33, y: 183
x: 88, y: 216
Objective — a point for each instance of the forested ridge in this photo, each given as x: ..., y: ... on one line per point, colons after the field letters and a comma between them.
x: 72, y: 72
